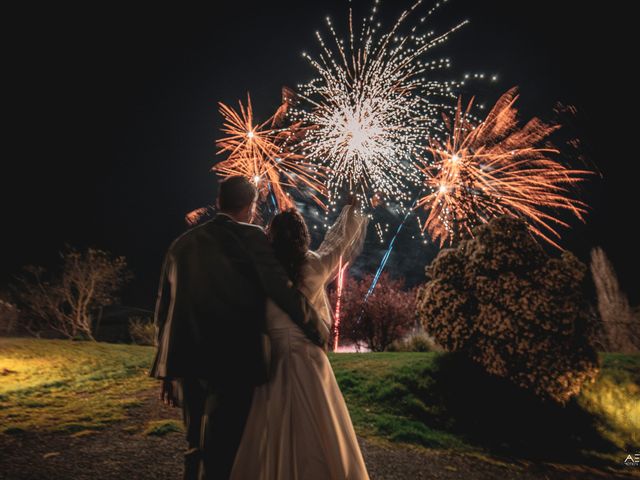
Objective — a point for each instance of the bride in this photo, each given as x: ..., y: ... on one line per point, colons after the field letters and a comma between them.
x: 299, y: 426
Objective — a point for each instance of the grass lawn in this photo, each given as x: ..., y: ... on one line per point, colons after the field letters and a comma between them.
x: 429, y: 399
x: 384, y: 394
x: 440, y: 401
x: 68, y: 386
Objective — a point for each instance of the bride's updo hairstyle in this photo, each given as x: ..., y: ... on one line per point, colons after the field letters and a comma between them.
x: 290, y: 238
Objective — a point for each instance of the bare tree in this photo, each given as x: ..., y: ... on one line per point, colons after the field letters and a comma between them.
x: 619, y: 323
x: 8, y: 316
x: 88, y: 280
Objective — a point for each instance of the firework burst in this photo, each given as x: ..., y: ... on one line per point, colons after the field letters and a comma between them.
x: 372, y: 108
x: 260, y: 152
x: 497, y: 167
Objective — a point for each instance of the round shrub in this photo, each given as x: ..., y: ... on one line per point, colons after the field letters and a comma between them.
x: 509, y: 306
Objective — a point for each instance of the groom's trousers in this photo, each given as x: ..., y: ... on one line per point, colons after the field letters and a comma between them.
x: 214, y: 422
x: 193, y: 397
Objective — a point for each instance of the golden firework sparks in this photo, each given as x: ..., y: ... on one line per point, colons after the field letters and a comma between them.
x: 260, y: 152
x: 493, y: 168
x: 373, y: 105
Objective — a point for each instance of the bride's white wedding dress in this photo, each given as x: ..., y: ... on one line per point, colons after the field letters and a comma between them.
x: 299, y: 427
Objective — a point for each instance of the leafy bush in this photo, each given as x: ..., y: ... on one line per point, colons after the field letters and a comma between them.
x: 415, y: 342
x: 142, y: 331
x: 518, y: 312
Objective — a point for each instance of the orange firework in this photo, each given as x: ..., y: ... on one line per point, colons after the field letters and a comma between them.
x: 494, y: 168
x: 260, y: 152
x: 194, y: 217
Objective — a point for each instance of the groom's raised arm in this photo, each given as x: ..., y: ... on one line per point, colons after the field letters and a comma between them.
x: 277, y: 286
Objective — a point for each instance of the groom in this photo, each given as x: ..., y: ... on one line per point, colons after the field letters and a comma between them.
x: 210, y: 325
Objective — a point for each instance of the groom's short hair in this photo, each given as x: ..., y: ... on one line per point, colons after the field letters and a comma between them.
x: 236, y: 193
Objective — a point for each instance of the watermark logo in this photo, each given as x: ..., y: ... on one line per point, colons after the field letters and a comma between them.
x: 632, y: 460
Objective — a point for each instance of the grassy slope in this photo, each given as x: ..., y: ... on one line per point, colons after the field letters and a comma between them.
x: 423, y: 398
x: 614, y: 400
x: 385, y: 394
x: 68, y: 386
x: 441, y: 401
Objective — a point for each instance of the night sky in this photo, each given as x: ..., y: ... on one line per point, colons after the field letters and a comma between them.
x: 112, y: 113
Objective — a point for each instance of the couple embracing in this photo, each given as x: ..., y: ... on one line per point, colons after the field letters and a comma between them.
x: 243, y: 323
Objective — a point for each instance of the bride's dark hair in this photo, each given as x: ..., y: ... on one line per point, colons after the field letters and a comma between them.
x: 290, y: 238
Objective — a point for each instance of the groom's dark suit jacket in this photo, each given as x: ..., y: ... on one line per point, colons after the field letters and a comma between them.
x: 210, y: 312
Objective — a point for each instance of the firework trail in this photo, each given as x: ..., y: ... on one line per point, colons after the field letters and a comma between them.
x: 342, y: 269
x: 261, y: 153
x: 387, y: 253
x: 372, y: 107
x: 493, y: 168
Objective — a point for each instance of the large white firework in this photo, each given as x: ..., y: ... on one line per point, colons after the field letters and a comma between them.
x: 373, y: 105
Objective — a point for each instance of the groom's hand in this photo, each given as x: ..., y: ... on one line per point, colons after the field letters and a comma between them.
x: 169, y: 392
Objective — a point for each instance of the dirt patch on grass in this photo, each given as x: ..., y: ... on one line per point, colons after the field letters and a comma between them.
x: 124, y: 450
